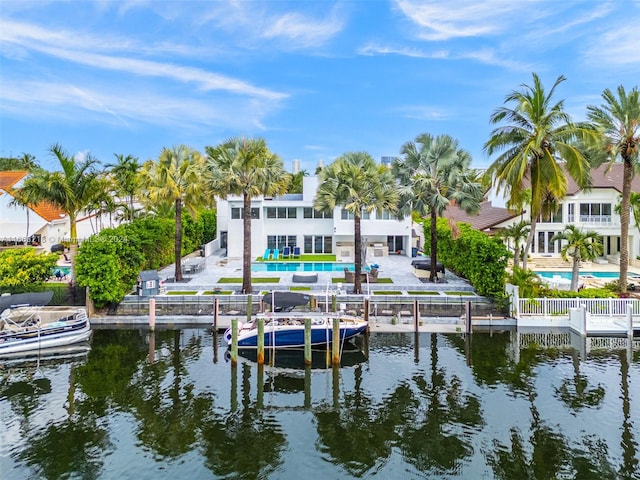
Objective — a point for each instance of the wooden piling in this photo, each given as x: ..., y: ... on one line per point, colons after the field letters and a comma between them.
x: 335, y: 342
x: 467, y: 317
x: 366, y: 307
x: 216, y: 312
x: 260, y: 340
x: 234, y: 341
x: 630, y: 322
x: 152, y: 314
x: 416, y: 316
x: 307, y: 341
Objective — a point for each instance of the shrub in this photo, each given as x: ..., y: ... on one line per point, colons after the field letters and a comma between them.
x: 473, y: 255
x: 21, y: 269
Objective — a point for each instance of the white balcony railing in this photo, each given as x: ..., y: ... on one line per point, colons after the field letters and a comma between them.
x: 596, y: 220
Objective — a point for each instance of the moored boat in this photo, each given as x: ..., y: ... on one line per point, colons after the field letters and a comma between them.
x: 28, y: 329
x: 285, y: 328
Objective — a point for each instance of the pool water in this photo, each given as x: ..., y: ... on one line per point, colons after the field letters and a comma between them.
x: 302, y: 267
x: 567, y: 275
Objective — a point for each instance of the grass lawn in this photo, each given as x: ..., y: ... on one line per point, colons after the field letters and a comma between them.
x: 422, y: 293
x: 253, y: 280
x: 380, y: 280
x: 305, y: 257
x: 217, y: 292
x: 387, y: 292
x: 461, y: 294
x: 299, y: 289
x: 181, y: 292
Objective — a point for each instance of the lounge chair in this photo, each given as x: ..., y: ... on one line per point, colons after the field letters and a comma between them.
x: 267, y: 254
x: 286, y: 252
x: 276, y: 254
x: 296, y: 252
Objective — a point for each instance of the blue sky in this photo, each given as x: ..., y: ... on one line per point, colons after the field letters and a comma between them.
x: 315, y: 79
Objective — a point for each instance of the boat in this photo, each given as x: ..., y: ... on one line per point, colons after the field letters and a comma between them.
x: 284, y: 327
x: 28, y: 329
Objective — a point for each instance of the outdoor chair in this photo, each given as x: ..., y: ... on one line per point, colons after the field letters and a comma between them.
x: 286, y: 252
x: 276, y: 254
x: 296, y: 252
x: 267, y: 254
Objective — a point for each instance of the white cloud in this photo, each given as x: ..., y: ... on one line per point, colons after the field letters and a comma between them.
x: 618, y: 46
x: 304, y: 31
x: 442, y: 20
x: 73, y: 47
x: 424, y: 112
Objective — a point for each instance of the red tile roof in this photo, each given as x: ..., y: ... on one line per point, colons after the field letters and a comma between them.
x: 46, y: 210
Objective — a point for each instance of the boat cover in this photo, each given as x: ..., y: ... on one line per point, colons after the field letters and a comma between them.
x: 286, y: 299
x: 25, y: 299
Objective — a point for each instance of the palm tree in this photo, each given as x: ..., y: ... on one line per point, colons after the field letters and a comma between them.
x: 618, y: 123
x: 536, y: 136
x: 71, y: 190
x: 634, y: 205
x: 580, y: 246
x: 358, y: 184
x: 296, y: 181
x: 245, y: 167
x: 177, y: 178
x: 516, y: 232
x: 125, y: 172
x: 434, y: 173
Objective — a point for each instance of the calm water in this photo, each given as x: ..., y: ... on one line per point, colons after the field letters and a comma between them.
x: 428, y: 406
x: 301, y: 267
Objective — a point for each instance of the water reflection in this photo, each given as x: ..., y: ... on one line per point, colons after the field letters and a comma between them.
x: 495, y: 405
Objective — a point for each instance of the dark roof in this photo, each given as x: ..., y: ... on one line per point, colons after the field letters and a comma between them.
x: 605, y: 176
x: 149, y: 275
x: 488, y: 216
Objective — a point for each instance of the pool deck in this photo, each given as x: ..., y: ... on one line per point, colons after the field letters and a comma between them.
x: 396, y: 267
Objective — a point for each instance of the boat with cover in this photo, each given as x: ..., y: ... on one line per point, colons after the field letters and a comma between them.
x: 29, y: 329
x: 284, y: 327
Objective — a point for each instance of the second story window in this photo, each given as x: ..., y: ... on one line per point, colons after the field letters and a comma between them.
x: 596, y: 213
x: 347, y: 215
x: 236, y: 213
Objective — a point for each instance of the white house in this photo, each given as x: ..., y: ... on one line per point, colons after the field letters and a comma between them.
x: 592, y: 209
x: 42, y: 224
x: 291, y: 220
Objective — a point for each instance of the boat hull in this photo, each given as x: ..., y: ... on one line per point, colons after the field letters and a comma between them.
x: 292, y: 335
x: 68, y: 330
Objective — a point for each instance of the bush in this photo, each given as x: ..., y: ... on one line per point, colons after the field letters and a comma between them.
x: 25, y: 268
x: 473, y: 255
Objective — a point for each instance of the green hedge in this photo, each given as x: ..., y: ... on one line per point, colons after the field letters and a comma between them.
x: 473, y: 255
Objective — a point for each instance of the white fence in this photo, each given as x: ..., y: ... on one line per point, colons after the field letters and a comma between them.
x: 559, y: 307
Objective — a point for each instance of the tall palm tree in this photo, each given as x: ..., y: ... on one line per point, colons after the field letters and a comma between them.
x: 125, y: 172
x: 434, y: 173
x: 516, y: 232
x: 536, y: 136
x: 176, y: 177
x: 618, y: 123
x: 580, y: 246
x: 245, y: 167
x: 72, y: 189
x: 358, y: 184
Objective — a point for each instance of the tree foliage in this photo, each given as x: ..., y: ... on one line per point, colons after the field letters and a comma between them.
x: 475, y: 256
x: 108, y: 264
x: 25, y: 267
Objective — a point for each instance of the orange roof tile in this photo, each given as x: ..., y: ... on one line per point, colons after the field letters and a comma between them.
x: 9, y: 178
x: 46, y: 210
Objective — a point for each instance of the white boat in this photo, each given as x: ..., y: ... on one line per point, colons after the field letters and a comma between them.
x: 285, y: 328
x: 28, y: 329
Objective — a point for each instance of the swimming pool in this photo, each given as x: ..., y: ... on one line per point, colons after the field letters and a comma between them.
x: 567, y: 274
x: 302, y: 267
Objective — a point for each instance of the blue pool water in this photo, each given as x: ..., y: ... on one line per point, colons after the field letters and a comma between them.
x: 301, y: 267
x: 567, y: 275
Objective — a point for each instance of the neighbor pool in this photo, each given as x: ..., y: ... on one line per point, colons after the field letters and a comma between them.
x: 567, y: 274
x: 302, y: 267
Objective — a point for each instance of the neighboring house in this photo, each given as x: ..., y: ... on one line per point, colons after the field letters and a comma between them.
x: 290, y: 220
x: 592, y: 209
x: 47, y: 224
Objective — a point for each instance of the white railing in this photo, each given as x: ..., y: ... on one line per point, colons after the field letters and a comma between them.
x: 595, y: 220
x: 550, y: 307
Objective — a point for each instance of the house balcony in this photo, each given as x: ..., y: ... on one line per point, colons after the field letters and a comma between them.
x: 609, y: 221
